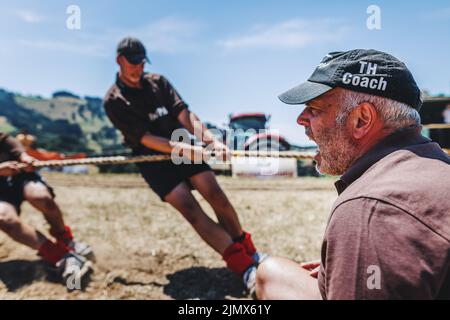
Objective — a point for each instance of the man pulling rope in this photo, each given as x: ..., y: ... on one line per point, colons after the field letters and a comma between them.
x: 147, y: 109
x: 18, y: 183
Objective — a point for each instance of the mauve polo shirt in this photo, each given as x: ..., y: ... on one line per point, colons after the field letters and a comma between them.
x: 388, y: 236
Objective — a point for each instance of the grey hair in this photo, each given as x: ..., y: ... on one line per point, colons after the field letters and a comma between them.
x: 395, y: 115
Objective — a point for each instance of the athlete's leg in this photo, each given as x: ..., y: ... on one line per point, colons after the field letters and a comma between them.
x: 206, y: 184
x: 11, y: 224
x: 182, y: 199
x: 215, y: 235
x: 39, y: 196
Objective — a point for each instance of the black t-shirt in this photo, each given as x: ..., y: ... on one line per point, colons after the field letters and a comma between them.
x: 154, y: 108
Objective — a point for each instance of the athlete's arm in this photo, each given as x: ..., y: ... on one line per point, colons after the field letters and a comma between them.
x: 166, y: 146
x: 194, y: 125
x: 9, y: 168
x: 29, y: 160
x: 157, y: 143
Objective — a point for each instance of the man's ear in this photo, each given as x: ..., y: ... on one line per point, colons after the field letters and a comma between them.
x: 119, y: 59
x: 364, y: 118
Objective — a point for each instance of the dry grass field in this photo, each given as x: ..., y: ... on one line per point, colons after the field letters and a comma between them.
x: 145, y: 250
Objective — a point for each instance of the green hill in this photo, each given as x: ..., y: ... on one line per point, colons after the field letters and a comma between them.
x: 65, y: 123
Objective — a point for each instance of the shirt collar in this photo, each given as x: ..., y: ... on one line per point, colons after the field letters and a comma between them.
x: 123, y: 87
x: 396, y: 141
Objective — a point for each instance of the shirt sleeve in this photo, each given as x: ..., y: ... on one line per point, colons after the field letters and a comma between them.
x: 174, y: 103
x: 11, y: 146
x: 374, y: 250
x: 129, y: 124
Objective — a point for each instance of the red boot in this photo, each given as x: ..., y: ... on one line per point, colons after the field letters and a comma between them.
x: 246, y: 240
x: 52, y: 252
x: 66, y: 237
x: 237, y: 258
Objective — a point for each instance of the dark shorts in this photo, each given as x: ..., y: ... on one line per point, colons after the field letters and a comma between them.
x: 164, y: 176
x: 11, y: 188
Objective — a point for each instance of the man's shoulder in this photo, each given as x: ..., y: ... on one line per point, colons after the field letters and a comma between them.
x: 154, y: 78
x: 410, y: 184
x: 112, y: 96
x: 405, y: 172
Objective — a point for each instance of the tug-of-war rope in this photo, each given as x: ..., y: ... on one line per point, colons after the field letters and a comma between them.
x: 299, y: 155
x: 112, y: 160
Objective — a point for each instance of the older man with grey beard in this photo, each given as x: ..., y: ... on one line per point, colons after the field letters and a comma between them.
x: 388, y: 235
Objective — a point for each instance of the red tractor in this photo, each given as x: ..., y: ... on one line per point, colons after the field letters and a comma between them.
x: 250, y: 131
x: 263, y: 139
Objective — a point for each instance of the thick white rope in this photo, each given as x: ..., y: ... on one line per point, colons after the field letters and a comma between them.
x: 153, y: 158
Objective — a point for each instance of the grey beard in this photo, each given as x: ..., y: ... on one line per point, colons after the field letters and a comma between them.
x: 337, y: 152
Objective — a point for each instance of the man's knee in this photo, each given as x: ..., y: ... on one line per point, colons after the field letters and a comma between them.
x: 217, y: 198
x: 265, y: 274
x: 187, y: 206
x: 42, y: 199
x: 190, y: 212
x: 279, y: 278
x: 9, y: 220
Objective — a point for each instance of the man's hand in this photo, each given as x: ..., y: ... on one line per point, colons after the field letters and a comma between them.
x: 29, y: 160
x: 192, y: 123
x: 9, y: 168
x: 196, y: 154
x: 313, y: 267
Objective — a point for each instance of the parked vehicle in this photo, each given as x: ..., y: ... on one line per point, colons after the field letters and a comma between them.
x: 251, y: 132
x: 436, y: 119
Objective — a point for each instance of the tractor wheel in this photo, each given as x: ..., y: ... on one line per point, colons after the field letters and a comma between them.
x: 265, y: 144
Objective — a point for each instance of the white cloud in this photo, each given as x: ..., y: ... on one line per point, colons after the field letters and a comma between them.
x: 30, y: 16
x: 290, y: 34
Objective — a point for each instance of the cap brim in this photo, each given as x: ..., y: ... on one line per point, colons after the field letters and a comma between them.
x: 137, y: 59
x: 303, y: 93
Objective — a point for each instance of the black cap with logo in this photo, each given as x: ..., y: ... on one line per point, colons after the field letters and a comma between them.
x: 133, y: 50
x: 367, y: 71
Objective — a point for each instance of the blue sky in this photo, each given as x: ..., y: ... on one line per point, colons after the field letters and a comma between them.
x: 222, y: 56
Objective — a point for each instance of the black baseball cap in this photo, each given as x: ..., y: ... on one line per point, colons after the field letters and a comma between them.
x: 133, y: 50
x: 367, y: 71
